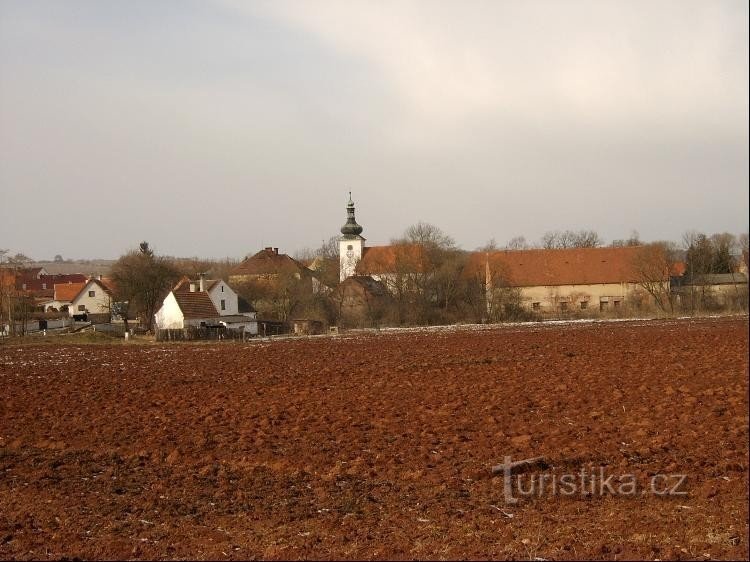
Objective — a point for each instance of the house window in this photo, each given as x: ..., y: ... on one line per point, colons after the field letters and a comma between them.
x: 92, y: 293
x: 44, y: 286
x: 81, y: 308
x: 563, y: 306
x: 584, y: 305
x: 223, y: 304
x: 603, y: 305
x: 222, y: 288
x: 536, y: 305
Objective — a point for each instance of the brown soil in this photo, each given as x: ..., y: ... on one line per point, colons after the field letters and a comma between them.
x: 377, y: 446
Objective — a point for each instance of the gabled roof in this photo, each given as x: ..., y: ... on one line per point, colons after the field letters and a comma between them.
x: 392, y: 259
x: 195, y: 305
x: 269, y: 262
x: 66, y: 292
x: 573, y: 266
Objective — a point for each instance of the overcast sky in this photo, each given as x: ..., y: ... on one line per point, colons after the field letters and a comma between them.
x: 214, y: 128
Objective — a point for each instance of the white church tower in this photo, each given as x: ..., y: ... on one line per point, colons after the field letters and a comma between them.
x: 351, y: 244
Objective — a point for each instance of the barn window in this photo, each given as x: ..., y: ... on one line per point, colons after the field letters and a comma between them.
x: 223, y: 304
x: 350, y: 247
x: 584, y: 304
x: 603, y: 305
x: 536, y: 305
x: 617, y: 304
x: 92, y: 293
x: 222, y: 288
x: 563, y: 306
x: 44, y: 285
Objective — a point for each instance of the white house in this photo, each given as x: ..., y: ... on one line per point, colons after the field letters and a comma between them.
x: 95, y: 297
x: 210, y: 302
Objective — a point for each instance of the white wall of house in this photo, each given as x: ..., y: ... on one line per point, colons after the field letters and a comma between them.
x: 223, y: 292
x: 169, y: 316
x: 93, y: 298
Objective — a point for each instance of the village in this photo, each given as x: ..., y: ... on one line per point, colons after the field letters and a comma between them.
x: 420, y: 279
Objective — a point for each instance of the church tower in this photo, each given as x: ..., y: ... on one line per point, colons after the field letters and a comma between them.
x: 351, y: 244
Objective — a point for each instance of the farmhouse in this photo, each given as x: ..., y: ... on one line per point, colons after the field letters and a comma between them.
x: 94, y: 300
x: 205, y: 302
x: 563, y: 280
x: 269, y: 266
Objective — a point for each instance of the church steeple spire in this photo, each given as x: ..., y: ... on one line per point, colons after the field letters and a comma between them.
x: 351, y: 229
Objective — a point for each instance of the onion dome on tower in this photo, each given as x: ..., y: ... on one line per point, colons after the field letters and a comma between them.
x: 351, y: 228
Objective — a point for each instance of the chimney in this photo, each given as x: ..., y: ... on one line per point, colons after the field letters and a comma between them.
x: 276, y: 251
x: 99, y: 277
x: 203, y: 282
x: 193, y: 286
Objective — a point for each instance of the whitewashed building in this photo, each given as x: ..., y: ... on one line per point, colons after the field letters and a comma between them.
x: 204, y: 302
x: 95, y: 297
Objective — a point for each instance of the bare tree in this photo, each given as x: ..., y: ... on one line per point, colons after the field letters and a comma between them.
x: 562, y: 239
x: 489, y: 246
x: 653, y: 265
x: 517, y: 243
x: 142, y: 279
x: 15, y: 306
x: 633, y: 240
x: 428, y: 235
x: 587, y: 239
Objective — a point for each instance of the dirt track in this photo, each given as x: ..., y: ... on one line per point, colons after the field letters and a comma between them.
x: 376, y: 446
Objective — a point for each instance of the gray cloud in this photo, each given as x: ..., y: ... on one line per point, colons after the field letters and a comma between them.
x: 215, y: 128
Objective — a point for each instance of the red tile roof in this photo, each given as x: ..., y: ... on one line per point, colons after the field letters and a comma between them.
x: 37, y: 284
x: 269, y: 262
x: 392, y: 259
x: 575, y: 266
x: 195, y: 305
x: 66, y: 292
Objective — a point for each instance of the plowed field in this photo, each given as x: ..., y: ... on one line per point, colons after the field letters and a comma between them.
x: 378, y: 446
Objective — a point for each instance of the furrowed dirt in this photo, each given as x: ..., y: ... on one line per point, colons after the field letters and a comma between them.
x: 378, y: 446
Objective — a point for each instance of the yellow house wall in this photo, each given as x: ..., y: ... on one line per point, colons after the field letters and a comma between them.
x: 549, y: 297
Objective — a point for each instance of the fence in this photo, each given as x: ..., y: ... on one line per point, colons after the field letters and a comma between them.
x: 192, y: 333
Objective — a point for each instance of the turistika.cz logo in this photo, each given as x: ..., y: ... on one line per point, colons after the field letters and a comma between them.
x: 586, y: 483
